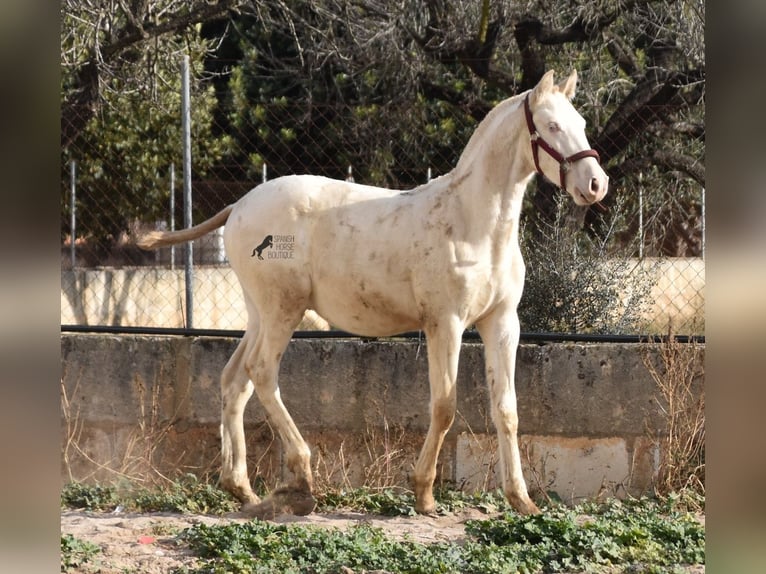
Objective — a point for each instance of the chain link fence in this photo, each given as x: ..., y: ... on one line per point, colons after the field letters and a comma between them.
x: 127, y: 178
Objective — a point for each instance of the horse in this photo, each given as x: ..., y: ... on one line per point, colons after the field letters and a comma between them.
x: 438, y: 258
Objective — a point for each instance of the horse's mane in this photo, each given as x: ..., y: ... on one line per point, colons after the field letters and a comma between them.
x: 476, y: 140
x: 479, y: 135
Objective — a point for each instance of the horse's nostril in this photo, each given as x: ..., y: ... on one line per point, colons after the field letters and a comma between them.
x: 594, y: 186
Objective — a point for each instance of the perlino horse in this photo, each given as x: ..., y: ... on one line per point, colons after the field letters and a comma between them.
x: 376, y: 262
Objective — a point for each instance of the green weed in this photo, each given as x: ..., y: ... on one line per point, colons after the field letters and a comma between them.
x: 398, y: 502
x: 94, y: 497
x: 76, y: 552
x: 646, y: 535
x: 637, y: 533
x: 638, y: 536
x: 186, y: 494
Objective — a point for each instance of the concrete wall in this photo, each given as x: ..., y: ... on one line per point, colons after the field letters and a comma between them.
x: 155, y: 296
x: 132, y: 405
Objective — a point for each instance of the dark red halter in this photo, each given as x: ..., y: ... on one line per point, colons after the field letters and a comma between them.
x: 538, y: 142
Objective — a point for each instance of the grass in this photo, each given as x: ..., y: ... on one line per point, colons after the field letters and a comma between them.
x: 76, y: 552
x: 677, y: 370
x: 637, y: 536
x: 186, y: 495
x: 399, y: 502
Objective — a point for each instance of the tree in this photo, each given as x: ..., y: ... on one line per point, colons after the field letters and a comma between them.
x: 393, y: 88
x: 102, y: 40
x: 121, y: 108
x: 309, y: 94
x: 422, y: 72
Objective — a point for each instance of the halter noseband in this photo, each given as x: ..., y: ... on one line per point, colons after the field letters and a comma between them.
x: 538, y: 142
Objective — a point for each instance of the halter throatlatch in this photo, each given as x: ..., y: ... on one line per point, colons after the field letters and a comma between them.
x: 538, y: 142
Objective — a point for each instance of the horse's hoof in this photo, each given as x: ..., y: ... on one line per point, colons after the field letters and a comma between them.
x: 284, y: 500
x: 524, y: 505
x: 427, y: 506
x: 244, y: 494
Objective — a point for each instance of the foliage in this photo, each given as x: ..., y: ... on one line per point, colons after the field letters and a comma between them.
x: 634, y: 532
x: 84, y: 496
x: 187, y: 494
x: 395, y: 502
x: 315, y: 86
x: 578, y: 282
x: 127, y: 151
x: 76, y: 552
x: 125, y: 148
x: 332, y: 116
x: 640, y: 535
x: 385, y: 502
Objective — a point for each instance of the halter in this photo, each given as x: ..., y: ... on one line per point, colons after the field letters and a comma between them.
x: 538, y: 142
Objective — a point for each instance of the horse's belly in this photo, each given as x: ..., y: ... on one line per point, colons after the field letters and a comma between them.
x: 365, y: 311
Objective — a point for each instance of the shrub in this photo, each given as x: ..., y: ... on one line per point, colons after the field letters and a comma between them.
x: 578, y: 282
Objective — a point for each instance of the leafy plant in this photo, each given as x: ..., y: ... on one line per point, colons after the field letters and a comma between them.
x: 75, y: 552
x: 642, y: 535
x: 396, y: 502
x: 186, y: 495
x: 385, y: 502
x: 615, y: 532
x: 94, y: 497
x: 578, y: 282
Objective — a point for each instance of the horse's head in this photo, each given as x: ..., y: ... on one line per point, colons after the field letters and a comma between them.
x: 566, y: 157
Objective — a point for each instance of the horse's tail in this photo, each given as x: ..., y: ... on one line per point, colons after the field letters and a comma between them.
x: 155, y: 239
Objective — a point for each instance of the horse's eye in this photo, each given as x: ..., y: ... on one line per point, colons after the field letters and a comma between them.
x: 554, y: 127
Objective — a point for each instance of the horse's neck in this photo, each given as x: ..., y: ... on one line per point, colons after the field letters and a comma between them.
x: 494, y: 169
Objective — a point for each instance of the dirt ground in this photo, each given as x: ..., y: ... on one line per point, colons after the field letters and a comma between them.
x: 145, y: 543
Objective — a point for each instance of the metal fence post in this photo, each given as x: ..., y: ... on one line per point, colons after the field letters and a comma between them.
x: 186, y: 129
x: 72, y: 212
x: 172, y: 221
x: 703, y: 223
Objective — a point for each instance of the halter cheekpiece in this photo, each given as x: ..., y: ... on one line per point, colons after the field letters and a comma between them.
x: 537, y: 141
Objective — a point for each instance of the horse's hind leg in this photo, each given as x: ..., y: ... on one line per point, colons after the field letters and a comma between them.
x: 236, y: 390
x: 262, y: 364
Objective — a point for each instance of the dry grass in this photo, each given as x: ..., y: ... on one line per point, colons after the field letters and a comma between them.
x: 380, y: 460
x: 134, y: 454
x: 678, y: 371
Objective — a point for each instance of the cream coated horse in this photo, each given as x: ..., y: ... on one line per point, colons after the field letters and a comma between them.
x: 376, y: 262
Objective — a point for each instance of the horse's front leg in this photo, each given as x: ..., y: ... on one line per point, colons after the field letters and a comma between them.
x: 500, y: 333
x: 443, y: 353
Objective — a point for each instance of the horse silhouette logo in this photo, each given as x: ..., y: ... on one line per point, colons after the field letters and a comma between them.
x: 268, y: 241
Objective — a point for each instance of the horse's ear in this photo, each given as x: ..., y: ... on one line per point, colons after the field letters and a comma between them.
x: 544, y: 86
x: 569, y: 86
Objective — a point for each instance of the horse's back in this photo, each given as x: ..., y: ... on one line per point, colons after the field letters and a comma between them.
x: 339, y: 247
